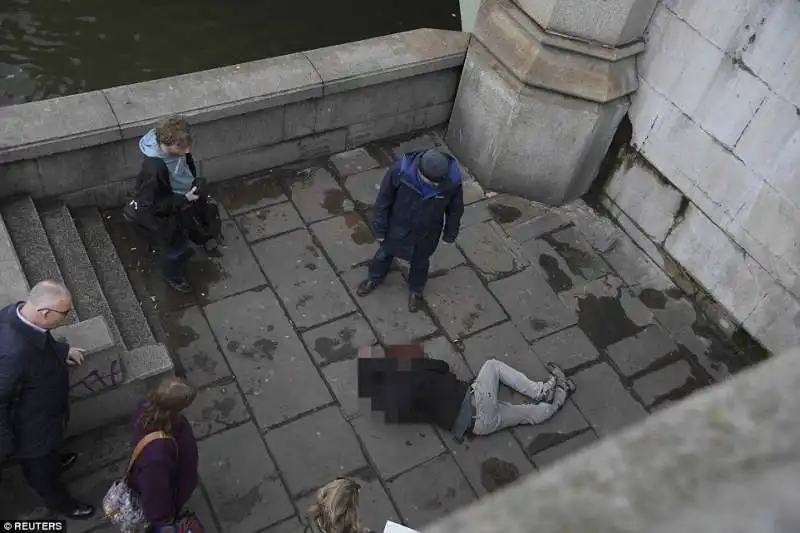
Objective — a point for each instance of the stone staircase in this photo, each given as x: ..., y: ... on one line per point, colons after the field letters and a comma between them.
x: 52, y: 241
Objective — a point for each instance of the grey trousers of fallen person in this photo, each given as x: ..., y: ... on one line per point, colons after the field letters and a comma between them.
x: 493, y: 415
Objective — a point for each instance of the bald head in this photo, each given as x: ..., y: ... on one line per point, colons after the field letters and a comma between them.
x: 48, y: 294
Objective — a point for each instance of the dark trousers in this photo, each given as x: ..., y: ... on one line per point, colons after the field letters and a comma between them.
x: 418, y: 270
x: 42, y: 474
x: 172, y: 255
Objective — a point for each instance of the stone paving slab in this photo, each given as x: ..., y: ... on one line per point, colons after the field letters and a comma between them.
x: 443, y: 260
x: 563, y: 426
x: 191, y: 341
x: 269, y: 221
x: 241, y: 195
x: 430, y: 491
x: 440, y: 348
x: 577, y: 253
x: 363, y: 187
x: 339, y: 340
x: 490, y: 462
x: 242, y: 482
x: 269, y: 361
x: 342, y: 377
x: 387, y: 309
x: 315, y: 449
x: 293, y: 525
x: 396, y: 448
x: 303, y: 279
x: 461, y: 303
x: 634, y: 354
x: 347, y: 240
x: 216, y: 409
x: 353, y: 162
x: 574, y: 444
x: 317, y: 195
x: 532, y: 305
x: 604, y: 401
x: 568, y: 348
x: 490, y: 251
x: 672, y: 382
x: 555, y: 269
x: 504, y: 343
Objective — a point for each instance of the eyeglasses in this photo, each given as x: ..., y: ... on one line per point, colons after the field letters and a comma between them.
x: 62, y: 313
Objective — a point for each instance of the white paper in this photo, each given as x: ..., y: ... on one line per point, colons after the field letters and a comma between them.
x: 391, y: 527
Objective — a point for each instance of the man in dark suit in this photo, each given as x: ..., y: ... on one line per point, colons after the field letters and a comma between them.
x: 34, y: 393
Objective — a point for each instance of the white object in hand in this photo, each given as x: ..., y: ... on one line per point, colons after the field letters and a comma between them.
x: 392, y: 527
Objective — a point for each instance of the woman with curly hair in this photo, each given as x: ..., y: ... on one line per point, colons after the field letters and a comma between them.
x: 335, y: 509
x: 165, y: 473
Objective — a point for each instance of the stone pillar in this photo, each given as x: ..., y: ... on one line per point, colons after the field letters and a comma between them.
x: 544, y: 87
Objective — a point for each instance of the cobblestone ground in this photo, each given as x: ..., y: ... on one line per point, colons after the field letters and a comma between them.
x: 271, y: 335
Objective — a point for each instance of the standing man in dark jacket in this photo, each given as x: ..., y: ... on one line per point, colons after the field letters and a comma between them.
x: 420, y: 196
x: 34, y: 393
x: 169, y: 200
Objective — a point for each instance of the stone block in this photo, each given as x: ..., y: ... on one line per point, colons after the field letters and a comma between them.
x: 440, y: 348
x: 563, y: 426
x: 577, y: 253
x: 100, y: 372
x: 723, y: 30
x: 236, y: 271
x: 634, y: 354
x: 490, y: 251
x: 342, y: 377
x: 443, y: 260
x: 572, y: 135
x: 339, y: 340
x: 191, y: 341
x: 382, y: 59
x: 612, y: 24
x: 400, y: 124
x: 476, y: 213
x: 235, y: 134
x: 13, y: 283
x: 241, y: 480
x: 269, y: 361
x: 560, y: 451
x: 429, y: 491
x: 216, y: 409
x: 248, y: 194
x: 672, y: 382
x: 489, y: 462
x: 353, y: 162
x: 303, y: 279
x: 363, y: 187
x: 531, y: 229
x: 56, y: 125
x: 105, y: 196
x: 21, y: 177
x: 606, y: 311
x: 387, y: 309
x: 462, y: 304
x: 259, y: 159
x: 396, y: 448
x: 92, y: 335
x: 551, y: 265
x: 315, y: 449
x: 569, y: 348
x: 416, y: 142
x: 69, y: 172
x: 269, y: 221
x: 532, y: 305
x: 646, y: 198
x: 317, y: 195
x: 506, y: 344
x: 774, y: 320
x: 603, y: 400
x: 347, y: 240
x: 215, y: 94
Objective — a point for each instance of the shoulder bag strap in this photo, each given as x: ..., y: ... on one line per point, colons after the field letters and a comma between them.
x: 147, y: 439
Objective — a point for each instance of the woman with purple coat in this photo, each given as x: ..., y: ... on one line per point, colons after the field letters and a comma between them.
x: 165, y: 473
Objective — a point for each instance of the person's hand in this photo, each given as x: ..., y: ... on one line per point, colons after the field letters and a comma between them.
x: 75, y: 356
x: 192, y: 195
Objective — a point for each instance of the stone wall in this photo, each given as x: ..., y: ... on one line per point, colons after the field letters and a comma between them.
x: 711, y: 176
x: 247, y: 117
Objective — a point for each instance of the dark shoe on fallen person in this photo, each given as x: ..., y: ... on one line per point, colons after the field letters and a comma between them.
x: 366, y: 287
x: 414, y: 302
x: 561, y: 378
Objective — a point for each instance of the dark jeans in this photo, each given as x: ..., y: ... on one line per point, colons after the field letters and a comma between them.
x: 418, y: 271
x: 172, y: 254
x: 43, y: 474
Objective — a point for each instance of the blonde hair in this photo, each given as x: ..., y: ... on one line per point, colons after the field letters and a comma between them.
x: 164, y: 402
x: 336, y: 507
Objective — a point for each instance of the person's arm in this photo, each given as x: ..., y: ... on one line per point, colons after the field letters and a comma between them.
x: 10, y: 371
x: 453, y: 214
x: 156, y: 490
x: 152, y: 179
x: 384, y: 202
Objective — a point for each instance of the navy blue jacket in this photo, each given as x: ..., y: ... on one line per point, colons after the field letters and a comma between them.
x: 411, y: 215
x: 34, y: 388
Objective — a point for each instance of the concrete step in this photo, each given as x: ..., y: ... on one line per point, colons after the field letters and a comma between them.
x: 115, y: 401
x: 92, y: 335
x: 76, y: 267
x: 13, y: 283
x: 122, y: 300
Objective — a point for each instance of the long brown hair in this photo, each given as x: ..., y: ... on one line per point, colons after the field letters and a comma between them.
x: 336, y: 508
x: 164, y: 403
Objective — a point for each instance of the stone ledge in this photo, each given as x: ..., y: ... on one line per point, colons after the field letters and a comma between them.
x: 92, y: 335
x: 69, y: 123
x: 646, y: 478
